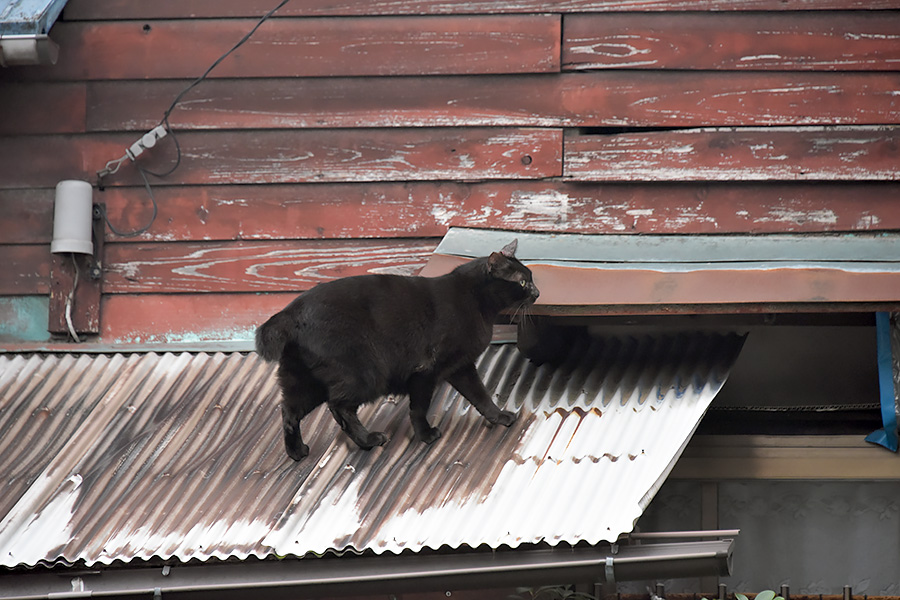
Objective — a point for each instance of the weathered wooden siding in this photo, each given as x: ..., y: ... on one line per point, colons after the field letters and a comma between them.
x: 347, y: 137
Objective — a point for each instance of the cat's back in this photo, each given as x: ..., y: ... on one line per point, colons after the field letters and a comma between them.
x: 375, y: 302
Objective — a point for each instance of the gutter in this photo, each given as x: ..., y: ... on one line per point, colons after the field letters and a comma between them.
x: 28, y: 49
x: 23, y: 32
x: 351, y: 575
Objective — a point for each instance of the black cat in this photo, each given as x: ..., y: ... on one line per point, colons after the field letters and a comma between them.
x: 352, y: 340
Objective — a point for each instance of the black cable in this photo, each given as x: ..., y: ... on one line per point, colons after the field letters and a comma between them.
x: 165, y: 122
x: 140, y: 230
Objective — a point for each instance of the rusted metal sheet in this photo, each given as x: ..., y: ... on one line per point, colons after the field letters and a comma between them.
x: 292, y: 156
x: 580, y: 270
x: 785, y: 154
x: 255, y: 266
x: 411, y: 45
x: 117, y: 457
x: 170, y: 9
x: 426, y: 209
x: 584, y: 99
x: 814, y: 40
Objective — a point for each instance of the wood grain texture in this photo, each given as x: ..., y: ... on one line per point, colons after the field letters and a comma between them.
x: 749, y: 41
x: 173, y: 318
x: 428, y: 209
x: 292, y: 156
x: 171, y: 9
x: 42, y: 108
x: 304, y: 47
x: 26, y: 216
x: 26, y: 270
x: 737, y: 155
x: 582, y: 99
x: 255, y: 266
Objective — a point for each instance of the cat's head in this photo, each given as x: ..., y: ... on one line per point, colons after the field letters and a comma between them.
x: 518, y: 286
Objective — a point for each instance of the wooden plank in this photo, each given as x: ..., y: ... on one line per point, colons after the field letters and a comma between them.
x: 802, y: 41
x: 173, y: 9
x: 583, y: 99
x: 398, y: 210
x: 42, y: 108
x: 26, y: 216
x: 305, y: 47
x: 180, y: 318
x: 75, y: 291
x: 736, y: 154
x: 254, y: 266
x: 26, y: 270
x: 226, y: 157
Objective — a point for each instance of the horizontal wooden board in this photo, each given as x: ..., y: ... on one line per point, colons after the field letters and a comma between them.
x: 255, y: 266
x: 304, y: 47
x: 286, y: 156
x: 26, y: 216
x: 744, y: 41
x: 172, y: 9
x: 429, y: 209
x: 42, y: 107
x: 26, y: 270
x: 736, y: 154
x: 186, y: 318
x: 583, y: 99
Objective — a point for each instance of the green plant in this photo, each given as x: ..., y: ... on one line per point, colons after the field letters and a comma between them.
x: 763, y: 595
x: 550, y: 592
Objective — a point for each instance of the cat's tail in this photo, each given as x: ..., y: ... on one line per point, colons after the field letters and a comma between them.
x: 272, y: 336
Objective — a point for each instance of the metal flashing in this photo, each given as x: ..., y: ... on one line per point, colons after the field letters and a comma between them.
x: 659, y: 273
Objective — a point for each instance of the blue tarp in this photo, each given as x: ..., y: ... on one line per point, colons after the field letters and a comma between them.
x: 886, y: 436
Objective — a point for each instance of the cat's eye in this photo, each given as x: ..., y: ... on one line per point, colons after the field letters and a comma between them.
x: 523, y: 283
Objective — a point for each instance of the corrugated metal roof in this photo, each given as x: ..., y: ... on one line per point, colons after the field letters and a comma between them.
x: 121, y: 457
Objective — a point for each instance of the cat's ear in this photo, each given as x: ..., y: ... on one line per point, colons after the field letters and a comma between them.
x: 509, y: 250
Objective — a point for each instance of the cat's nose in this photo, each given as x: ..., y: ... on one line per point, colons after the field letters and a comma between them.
x: 535, y: 293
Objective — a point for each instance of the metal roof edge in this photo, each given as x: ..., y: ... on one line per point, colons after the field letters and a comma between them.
x: 368, y: 574
x: 574, y: 248
x: 29, y: 17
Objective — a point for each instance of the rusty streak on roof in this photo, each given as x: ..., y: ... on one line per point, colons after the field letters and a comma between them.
x: 114, y: 458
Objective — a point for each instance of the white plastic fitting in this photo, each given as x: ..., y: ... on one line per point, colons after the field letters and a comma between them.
x: 72, y: 217
x: 147, y: 141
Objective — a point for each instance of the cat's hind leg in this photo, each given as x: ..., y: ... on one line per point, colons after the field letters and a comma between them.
x: 300, y: 394
x: 349, y: 421
x: 467, y: 382
x: 421, y: 390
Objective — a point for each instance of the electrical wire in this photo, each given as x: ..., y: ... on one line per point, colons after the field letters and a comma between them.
x: 165, y: 120
x: 113, y: 165
x: 140, y: 230
x: 70, y: 300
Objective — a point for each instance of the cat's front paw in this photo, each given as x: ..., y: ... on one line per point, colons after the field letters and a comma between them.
x: 375, y: 438
x: 430, y: 435
x: 505, y: 418
x: 297, y: 451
